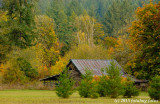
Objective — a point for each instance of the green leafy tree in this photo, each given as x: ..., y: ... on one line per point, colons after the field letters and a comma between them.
x: 65, y: 86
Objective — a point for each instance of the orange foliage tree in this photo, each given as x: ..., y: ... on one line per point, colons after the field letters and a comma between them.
x: 145, y: 37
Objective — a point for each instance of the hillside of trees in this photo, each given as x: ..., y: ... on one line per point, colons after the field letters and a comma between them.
x: 38, y: 38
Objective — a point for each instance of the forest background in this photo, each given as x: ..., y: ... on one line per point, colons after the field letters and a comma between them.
x: 38, y: 38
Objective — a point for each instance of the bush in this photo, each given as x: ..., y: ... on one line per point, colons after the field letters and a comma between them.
x: 93, y: 93
x: 130, y: 89
x: 65, y: 87
x: 13, y: 75
x: 88, y: 88
x: 19, y: 71
x: 154, y: 90
x: 26, y: 67
x: 114, y: 86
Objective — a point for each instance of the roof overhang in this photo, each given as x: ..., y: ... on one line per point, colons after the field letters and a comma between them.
x: 55, y: 77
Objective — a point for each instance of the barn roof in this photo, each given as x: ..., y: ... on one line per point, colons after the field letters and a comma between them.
x: 96, y: 67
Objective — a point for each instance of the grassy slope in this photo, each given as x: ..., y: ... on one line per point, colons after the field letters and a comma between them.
x: 49, y: 97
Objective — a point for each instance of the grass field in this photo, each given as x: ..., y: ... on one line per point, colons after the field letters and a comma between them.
x: 49, y: 97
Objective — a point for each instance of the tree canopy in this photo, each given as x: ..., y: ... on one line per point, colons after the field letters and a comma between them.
x: 44, y: 35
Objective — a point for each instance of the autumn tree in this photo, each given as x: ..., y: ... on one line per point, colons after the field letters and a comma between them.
x: 47, y: 47
x: 122, y: 51
x: 88, y: 29
x: 62, y: 23
x: 4, y: 46
x: 18, y: 71
x: 144, y: 34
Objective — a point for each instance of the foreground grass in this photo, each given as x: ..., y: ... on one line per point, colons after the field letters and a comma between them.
x: 50, y: 97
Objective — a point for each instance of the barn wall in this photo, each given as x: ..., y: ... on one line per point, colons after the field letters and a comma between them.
x: 142, y: 86
x: 75, y: 74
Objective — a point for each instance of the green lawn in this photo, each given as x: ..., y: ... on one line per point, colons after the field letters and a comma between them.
x: 49, y: 97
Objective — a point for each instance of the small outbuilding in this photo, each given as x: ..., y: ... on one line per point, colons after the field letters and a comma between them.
x: 77, y: 68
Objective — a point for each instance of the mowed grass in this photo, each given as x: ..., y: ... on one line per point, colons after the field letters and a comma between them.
x: 50, y: 97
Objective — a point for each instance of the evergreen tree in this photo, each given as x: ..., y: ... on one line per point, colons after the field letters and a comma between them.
x: 118, y: 16
x: 55, y: 7
x: 75, y: 7
x: 65, y: 86
x: 20, y: 22
x: 154, y: 90
x: 114, y: 81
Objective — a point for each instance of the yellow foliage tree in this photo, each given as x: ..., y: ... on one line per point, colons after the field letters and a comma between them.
x: 47, y: 47
x: 59, y: 66
x: 4, y: 48
x: 88, y: 30
x: 85, y: 51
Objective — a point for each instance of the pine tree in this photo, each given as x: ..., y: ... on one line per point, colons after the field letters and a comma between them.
x: 20, y: 22
x: 65, y: 86
x: 117, y: 17
x: 75, y: 7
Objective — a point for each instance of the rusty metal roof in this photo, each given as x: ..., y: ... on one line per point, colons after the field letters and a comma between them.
x: 95, y: 66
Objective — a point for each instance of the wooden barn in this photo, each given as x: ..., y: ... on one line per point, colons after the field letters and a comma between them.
x: 77, y: 68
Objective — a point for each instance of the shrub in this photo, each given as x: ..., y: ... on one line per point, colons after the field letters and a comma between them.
x: 26, y: 67
x: 130, y: 89
x: 88, y: 88
x: 65, y: 87
x: 93, y: 93
x: 85, y: 84
x: 114, y: 81
x: 19, y: 71
x: 154, y: 90
x: 13, y: 75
